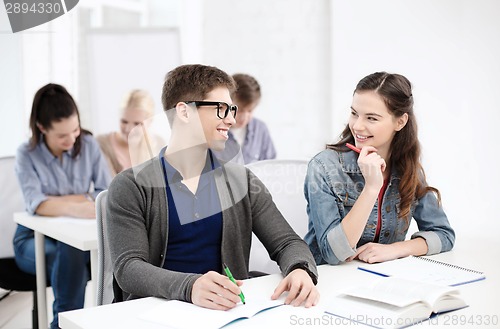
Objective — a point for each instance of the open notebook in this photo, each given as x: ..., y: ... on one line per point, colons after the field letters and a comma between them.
x: 426, y: 270
x: 177, y: 314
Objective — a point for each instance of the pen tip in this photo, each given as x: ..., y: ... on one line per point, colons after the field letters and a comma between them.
x: 244, y: 303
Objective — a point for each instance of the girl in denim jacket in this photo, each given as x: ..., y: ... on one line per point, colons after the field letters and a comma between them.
x: 360, y: 205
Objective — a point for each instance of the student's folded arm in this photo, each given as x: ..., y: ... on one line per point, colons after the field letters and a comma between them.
x: 275, y: 233
x: 74, y: 205
x: 324, y: 215
x: 35, y: 200
x: 135, y: 272
x: 433, y: 225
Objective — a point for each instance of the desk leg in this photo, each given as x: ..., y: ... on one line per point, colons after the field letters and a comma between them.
x: 41, y: 279
x: 93, y: 273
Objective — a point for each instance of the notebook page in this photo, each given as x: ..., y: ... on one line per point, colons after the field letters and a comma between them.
x: 177, y: 314
x: 426, y: 270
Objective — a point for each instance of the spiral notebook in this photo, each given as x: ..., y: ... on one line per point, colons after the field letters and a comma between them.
x: 426, y: 270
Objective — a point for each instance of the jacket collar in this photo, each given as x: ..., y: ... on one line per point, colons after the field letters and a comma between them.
x: 349, y: 163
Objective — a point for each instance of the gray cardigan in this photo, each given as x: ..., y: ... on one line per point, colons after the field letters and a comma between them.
x: 137, y: 218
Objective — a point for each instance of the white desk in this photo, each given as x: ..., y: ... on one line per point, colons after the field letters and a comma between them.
x: 78, y: 233
x: 482, y: 296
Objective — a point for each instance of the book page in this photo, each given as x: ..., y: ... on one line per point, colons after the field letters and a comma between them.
x: 402, y: 292
x: 397, y: 294
x: 376, y: 314
x: 448, y: 303
x: 177, y: 314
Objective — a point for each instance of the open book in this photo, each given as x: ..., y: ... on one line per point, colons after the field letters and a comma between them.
x: 425, y: 269
x: 177, y: 314
x: 395, y: 302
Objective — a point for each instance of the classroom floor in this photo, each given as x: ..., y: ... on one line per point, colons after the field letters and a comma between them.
x: 15, y: 310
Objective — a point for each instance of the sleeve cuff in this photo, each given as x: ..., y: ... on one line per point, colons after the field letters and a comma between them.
x: 305, y: 266
x: 434, y: 245
x: 35, y: 203
x: 339, y: 244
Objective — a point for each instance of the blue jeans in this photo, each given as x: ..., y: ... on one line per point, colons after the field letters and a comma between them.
x: 66, y: 270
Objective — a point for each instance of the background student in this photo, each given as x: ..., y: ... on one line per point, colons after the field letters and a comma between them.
x: 56, y: 169
x: 172, y: 225
x: 250, y: 133
x: 360, y: 205
x: 124, y: 149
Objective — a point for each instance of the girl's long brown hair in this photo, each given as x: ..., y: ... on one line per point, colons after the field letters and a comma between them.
x: 53, y: 103
x: 405, y: 152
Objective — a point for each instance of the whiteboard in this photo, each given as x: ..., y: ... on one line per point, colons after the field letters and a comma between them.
x: 122, y: 60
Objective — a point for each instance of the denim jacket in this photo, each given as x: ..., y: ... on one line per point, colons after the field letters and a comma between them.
x: 332, y: 186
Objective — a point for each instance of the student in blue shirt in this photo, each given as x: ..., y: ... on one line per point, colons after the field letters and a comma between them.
x: 56, y: 169
x: 360, y: 205
x: 251, y: 134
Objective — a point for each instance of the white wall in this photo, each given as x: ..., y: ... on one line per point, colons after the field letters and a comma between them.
x: 111, y: 74
x: 285, y: 44
x: 29, y: 60
x: 449, y: 49
x: 11, y: 96
x: 308, y: 57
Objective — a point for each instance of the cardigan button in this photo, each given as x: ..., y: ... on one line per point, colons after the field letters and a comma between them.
x: 388, y: 208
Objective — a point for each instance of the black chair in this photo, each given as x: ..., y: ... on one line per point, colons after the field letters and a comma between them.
x: 11, y: 200
x: 13, y: 279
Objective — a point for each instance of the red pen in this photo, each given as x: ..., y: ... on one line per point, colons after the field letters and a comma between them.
x: 352, y: 147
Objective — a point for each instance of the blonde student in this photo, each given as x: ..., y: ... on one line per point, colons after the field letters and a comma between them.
x: 360, y: 205
x: 56, y: 169
x: 133, y: 144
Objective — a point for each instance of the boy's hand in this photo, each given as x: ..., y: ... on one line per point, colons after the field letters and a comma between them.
x: 300, y: 287
x: 215, y: 291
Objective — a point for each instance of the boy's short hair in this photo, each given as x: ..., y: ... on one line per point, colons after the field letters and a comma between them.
x: 192, y: 83
x: 247, y: 89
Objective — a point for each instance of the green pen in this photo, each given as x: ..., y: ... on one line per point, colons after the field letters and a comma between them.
x: 230, y: 276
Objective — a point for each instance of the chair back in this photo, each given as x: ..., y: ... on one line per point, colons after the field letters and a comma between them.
x: 11, y: 201
x: 285, y: 181
x: 104, y: 267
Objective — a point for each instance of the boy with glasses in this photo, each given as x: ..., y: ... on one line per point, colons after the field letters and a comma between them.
x: 176, y: 219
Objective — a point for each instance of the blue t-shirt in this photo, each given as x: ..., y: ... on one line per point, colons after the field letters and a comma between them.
x: 257, y: 145
x: 194, y: 221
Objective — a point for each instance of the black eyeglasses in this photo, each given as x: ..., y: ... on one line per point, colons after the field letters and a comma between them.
x: 222, y: 107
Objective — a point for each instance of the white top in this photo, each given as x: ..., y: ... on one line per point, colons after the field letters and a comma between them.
x: 239, y: 134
